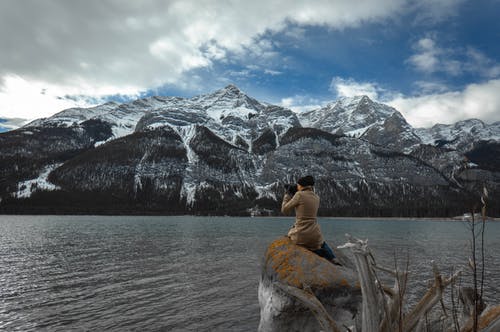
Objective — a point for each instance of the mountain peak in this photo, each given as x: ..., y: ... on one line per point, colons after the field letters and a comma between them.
x: 349, y: 114
x: 232, y: 87
x: 362, y: 98
x: 356, y: 100
x: 229, y: 92
x: 365, y: 99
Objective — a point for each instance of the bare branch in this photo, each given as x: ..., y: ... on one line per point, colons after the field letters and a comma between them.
x: 430, y: 298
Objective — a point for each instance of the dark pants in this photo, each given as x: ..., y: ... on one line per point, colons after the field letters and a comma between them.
x: 325, y: 251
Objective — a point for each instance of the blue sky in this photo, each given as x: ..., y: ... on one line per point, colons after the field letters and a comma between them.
x: 435, y: 61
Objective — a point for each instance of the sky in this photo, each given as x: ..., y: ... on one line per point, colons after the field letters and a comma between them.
x: 436, y: 61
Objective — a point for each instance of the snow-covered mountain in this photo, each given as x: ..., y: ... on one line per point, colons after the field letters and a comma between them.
x: 121, y: 117
x: 460, y: 135
x: 228, y: 112
x: 237, y: 118
x: 228, y: 153
x: 352, y: 116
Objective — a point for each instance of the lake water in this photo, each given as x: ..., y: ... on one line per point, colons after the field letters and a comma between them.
x: 81, y: 273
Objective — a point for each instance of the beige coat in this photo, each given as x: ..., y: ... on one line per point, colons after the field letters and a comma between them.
x: 306, y: 231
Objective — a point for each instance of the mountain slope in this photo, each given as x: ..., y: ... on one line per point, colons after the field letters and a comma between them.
x: 394, y: 132
x: 227, y: 153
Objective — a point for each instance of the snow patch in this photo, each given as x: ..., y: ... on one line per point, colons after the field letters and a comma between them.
x: 137, y: 176
x: 358, y: 132
x: 189, y: 190
x: 266, y: 191
x: 187, y: 133
x: 96, y: 144
x: 26, y: 188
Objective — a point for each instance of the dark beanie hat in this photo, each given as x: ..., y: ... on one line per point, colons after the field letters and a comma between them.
x: 306, y: 181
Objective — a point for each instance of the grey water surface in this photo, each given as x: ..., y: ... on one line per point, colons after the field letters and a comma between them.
x: 94, y: 273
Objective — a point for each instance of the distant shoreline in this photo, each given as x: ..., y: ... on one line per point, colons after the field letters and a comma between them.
x: 488, y: 219
x: 457, y: 219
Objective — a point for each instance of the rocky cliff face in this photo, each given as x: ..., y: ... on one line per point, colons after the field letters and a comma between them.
x: 394, y: 133
x: 227, y: 153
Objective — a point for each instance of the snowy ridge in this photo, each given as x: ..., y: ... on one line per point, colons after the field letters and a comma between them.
x: 236, y: 117
x: 459, y: 135
x: 68, y: 117
x: 349, y: 115
x: 229, y: 101
x: 228, y: 112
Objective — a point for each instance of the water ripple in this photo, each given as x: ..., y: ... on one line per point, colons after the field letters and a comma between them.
x: 182, y: 273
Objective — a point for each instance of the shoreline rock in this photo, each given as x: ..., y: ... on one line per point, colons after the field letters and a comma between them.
x: 336, y: 287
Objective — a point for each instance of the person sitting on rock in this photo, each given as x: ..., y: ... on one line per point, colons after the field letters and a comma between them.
x: 306, y: 231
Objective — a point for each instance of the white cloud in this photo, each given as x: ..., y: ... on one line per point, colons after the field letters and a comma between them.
x: 300, y: 103
x: 434, y: 104
x: 430, y: 58
x: 166, y: 49
x: 11, y: 124
x: 350, y: 88
x: 479, y: 62
x: 439, y: 10
x: 151, y: 41
x: 80, y: 47
x: 272, y: 72
x: 427, y: 87
x: 287, y: 102
x: 480, y: 101
x: 29, y: 99
x: 83, y: 46
x: 426, y: 59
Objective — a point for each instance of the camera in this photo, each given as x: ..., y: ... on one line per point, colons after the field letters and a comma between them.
x: 291, y: 189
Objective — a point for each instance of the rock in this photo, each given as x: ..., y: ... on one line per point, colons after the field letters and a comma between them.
x: 289, y: 265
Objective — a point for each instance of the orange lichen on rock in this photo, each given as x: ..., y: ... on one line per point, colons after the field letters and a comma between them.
x: 344, y: 282
x: 299, y: 267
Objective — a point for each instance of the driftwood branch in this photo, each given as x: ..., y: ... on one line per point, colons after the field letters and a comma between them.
x: 381, y: 311
x: 430, y: 298
x: 372, y: 305
x: 312, y: 303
